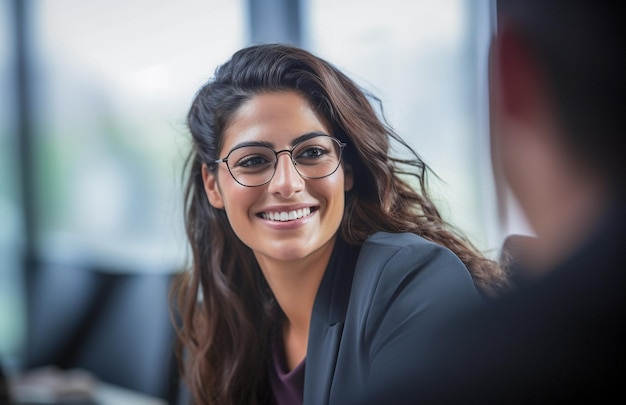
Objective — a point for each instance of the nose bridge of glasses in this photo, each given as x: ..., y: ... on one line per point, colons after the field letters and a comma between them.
x: 289, y: 173
x: 287, y: 152
x: 292, y: 162
x: 284, y: 151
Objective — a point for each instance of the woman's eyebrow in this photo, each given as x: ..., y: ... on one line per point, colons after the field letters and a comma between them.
x: 253, y: 143
x: 308, y: 135
x: 270, y: 145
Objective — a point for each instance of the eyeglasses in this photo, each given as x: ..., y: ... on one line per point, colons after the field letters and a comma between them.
x: 313, y: 158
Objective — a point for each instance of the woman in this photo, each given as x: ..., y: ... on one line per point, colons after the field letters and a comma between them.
x: 314, y: 257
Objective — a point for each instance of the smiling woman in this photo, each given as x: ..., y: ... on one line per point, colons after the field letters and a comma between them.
x: 311, y: 180
x: 316, y: 260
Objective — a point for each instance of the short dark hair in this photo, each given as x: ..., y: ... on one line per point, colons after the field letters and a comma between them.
x: 579, y: 46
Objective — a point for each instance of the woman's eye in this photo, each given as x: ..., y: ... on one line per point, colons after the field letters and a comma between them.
x: 252, y: 162
x: 312, y: 152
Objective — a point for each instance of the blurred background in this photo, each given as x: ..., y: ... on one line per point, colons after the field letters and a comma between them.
x: 92, y: 141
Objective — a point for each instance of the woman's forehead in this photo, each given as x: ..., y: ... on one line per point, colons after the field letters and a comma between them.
x: 277, y: 118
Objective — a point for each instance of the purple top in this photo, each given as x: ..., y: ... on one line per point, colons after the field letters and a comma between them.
x: 287, y: 386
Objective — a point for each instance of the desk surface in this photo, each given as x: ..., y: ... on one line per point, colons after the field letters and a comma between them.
x: 48, y: 388
x: 107, y: 394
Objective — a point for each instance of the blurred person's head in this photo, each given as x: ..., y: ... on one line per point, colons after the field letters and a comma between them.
x: 557, y: 81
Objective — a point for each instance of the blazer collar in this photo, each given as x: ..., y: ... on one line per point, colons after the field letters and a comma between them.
x: 327, y: 319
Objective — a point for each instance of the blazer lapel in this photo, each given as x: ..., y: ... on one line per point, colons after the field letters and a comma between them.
x: 327, y: 320
x: 320, y: 364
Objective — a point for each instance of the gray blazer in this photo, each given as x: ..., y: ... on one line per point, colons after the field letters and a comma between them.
x: 367, y: 316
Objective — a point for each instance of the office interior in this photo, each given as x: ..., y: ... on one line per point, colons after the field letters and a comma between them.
x: 93, y: 141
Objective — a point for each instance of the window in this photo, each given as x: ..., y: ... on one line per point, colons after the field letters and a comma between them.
x: 11, y: 309
x: 110, y: 84
x: 426, y: 61
x: 114, y: 81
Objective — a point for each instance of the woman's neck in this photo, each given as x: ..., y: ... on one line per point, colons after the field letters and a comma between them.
x: 294, y: 285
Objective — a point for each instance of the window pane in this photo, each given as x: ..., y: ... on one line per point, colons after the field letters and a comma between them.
x: 113, y: 84
x: 11, y: 244
x: 426, y: 61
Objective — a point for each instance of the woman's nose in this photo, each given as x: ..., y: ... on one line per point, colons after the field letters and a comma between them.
x: 286, y: 180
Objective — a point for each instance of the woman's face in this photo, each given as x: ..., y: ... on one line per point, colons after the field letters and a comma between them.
x: 278, y: 119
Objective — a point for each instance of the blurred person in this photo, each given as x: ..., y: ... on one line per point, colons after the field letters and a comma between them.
x: 557, y: 83
x: 312, y: 252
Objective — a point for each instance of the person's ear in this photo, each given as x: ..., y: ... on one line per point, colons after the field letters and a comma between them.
x: 348, y: 177
x: 516, y: 77
x: 211, y: 188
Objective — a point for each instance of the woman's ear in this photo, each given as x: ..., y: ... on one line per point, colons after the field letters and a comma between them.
x: 211, y: 188
x: 348, y: 177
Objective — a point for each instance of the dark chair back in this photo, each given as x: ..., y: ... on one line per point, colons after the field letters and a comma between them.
x: 114, y: 324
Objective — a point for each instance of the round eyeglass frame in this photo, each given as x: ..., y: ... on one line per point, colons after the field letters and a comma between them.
x: 342, y: 145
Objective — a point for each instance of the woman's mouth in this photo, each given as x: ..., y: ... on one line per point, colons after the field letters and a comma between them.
x: 284, y: 216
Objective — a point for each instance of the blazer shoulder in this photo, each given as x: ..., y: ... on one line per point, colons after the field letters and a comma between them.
x: 384, y: 245
x: 398, y: 240
x: 407, y: 285
x: 394, y: 256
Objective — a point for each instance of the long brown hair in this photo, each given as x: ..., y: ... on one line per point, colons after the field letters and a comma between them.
x: 225, y: 307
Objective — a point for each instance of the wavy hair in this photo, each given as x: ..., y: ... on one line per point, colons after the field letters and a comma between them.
x: 225, y: 307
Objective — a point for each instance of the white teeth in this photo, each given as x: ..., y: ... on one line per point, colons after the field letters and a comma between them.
x: 286, y: 216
